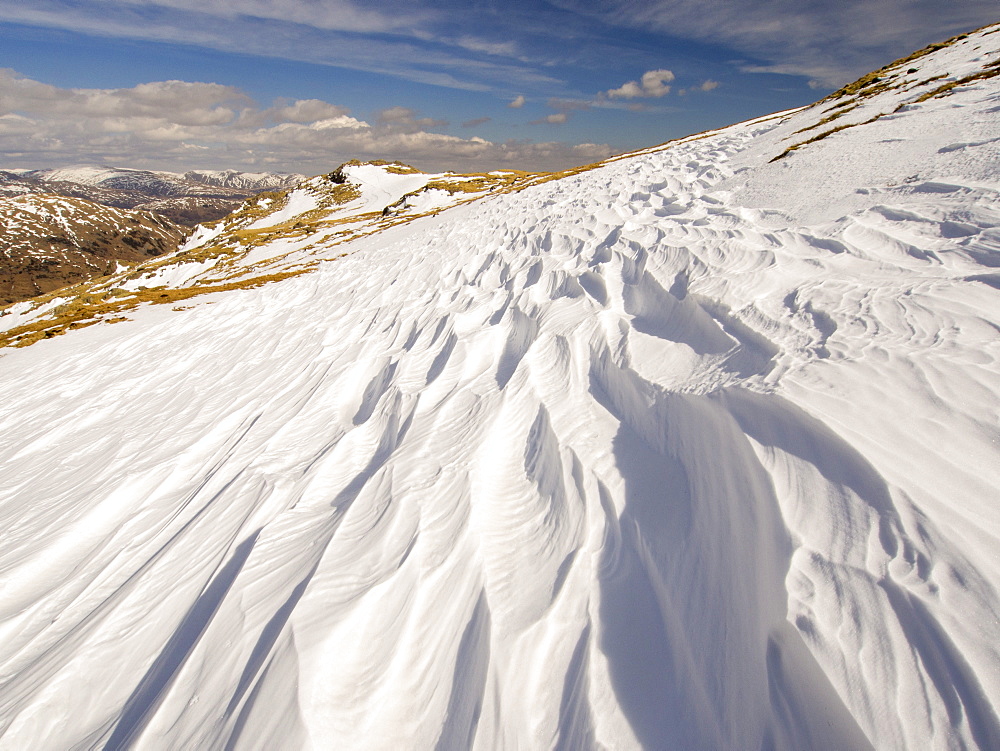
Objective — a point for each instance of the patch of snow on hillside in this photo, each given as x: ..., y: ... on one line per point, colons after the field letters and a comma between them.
x: 202, y: 235
x: 429, y: 200
x: 299, y: 202
x: 381, y: 187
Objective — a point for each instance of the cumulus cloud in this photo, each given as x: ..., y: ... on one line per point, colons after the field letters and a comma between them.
x: 652, y: 85
x: 178, y: 125
x: 517, y: 103
x: 183, y: 103
x: 305, y: 111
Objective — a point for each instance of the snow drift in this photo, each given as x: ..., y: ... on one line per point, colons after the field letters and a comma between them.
x: 690, y: 450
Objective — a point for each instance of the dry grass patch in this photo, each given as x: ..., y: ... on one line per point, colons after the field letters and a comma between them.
x: 87, y: 309
x: 821, y: 136
x: 992, y: 71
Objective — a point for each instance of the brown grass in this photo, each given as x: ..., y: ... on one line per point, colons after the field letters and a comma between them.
x: 88, y: 309
x: 821, y: 136
x: 992, y: 72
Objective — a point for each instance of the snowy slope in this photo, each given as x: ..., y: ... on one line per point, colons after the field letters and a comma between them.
x: 677, y: 452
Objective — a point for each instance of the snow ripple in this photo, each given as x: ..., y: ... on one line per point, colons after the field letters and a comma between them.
x: 610, y: 462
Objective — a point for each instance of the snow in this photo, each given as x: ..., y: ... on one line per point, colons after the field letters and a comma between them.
x: 201, y: 236
x: 299, y: 201
x: 91, y: 175
x: 97, y: 175
x: 692, y: 450
x: 245, y: 180
x: 429, y: 200
x: 380, y: 187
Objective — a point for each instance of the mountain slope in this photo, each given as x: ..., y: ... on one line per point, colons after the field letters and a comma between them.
x: 188, y: 199
x: 50, y: 242
x: 690, y: 449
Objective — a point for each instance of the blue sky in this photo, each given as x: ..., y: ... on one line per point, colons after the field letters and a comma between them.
x: 303, y: 85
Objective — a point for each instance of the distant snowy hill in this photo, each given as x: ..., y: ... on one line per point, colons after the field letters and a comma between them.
x: 163, y: 183
x: 696, y: 448
x: 255, y: 181
x: 194, y: 197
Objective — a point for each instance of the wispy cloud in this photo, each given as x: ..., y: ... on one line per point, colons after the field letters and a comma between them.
x: 477, y: 122
x: 399, y: 40
x: 473, y: 44
x: 179, y: 125
x: 829, y: 41
x: 517, y: 102
x: 337, y: 15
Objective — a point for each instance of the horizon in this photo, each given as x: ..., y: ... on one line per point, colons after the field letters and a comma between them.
x: 301, y: 87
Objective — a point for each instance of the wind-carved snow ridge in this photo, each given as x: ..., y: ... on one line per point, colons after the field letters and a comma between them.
x: 616, y: 461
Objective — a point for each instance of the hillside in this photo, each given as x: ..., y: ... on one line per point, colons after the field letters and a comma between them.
x: 50, y: 242
x: 695, y: 448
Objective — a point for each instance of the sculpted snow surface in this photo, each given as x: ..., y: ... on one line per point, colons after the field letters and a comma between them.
x: 610, y: 462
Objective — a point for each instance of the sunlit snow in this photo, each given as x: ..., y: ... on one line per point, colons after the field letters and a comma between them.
x: 693, y: 450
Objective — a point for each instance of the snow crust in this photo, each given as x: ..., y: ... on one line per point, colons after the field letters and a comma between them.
x: 617, y: 461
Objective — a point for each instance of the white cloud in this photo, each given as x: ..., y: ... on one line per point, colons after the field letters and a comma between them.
x: 306, y: 111
x: 652, y: 85
x: 517, y: 103
x: 178, y: 125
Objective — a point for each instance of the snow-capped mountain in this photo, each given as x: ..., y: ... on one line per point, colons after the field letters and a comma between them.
x: 695, y: 448
x: 159, y: 183
x: 49, y: 242
x: 254, y: 181
x: 189, y: 198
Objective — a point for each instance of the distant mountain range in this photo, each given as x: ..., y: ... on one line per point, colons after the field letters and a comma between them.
x: 190, y: 198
